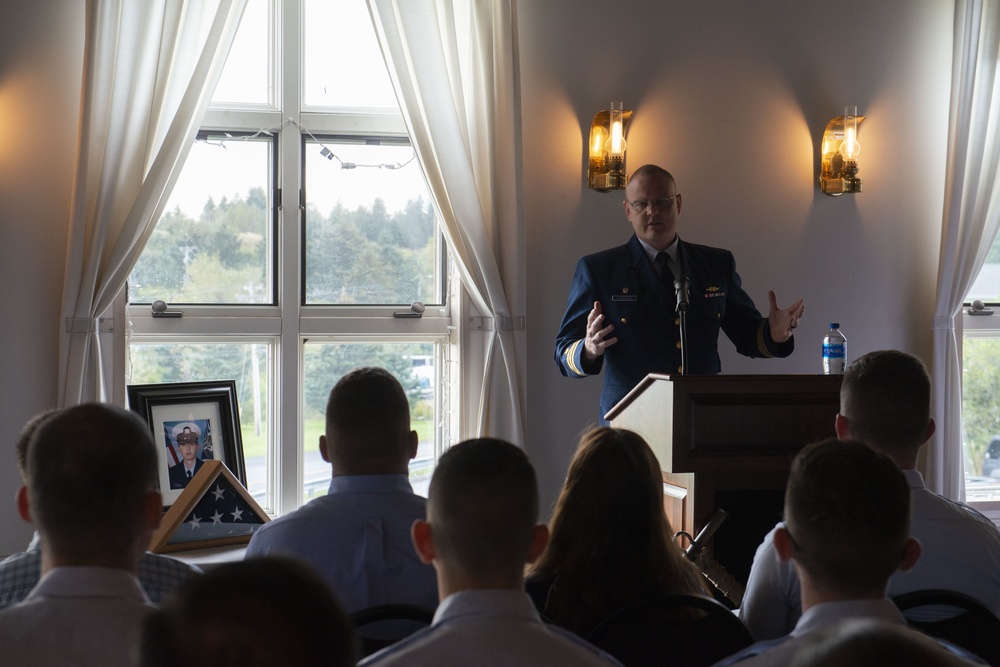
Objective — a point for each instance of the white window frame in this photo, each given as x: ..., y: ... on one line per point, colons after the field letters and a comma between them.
x: 980, y: 326
x: 290, y: 323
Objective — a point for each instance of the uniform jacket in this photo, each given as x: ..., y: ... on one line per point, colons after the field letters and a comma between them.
x: 641, y: 308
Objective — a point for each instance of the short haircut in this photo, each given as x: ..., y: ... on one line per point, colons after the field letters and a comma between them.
x: 847, y: 511
x: 886, y: 398
x: 29, y: 428
x: 89, y: 468
x: 869, y: 641
x: 271, y: 611
x: 367, y: 417
x: 654, y: 171
x: 483, y: 507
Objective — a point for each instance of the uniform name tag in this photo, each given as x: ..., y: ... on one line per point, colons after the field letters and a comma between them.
x: 624, y: 297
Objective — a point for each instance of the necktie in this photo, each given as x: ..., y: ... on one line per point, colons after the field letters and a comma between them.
x: 189, y: 474
x: 666, y: 275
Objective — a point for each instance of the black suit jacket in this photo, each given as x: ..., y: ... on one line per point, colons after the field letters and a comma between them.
x: 641, y: 308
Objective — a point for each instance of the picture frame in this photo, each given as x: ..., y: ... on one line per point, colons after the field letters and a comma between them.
x: 186, y: 417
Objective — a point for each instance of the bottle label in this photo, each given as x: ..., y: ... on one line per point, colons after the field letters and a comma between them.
x: 833, y: 351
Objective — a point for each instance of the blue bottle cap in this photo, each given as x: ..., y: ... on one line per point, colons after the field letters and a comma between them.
x: 834, y: 325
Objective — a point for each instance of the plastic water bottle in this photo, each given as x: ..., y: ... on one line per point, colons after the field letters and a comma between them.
x: 834, y: 351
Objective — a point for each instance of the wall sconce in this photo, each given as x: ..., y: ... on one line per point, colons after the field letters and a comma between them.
x: 839, y: 166
x: 607, y: 149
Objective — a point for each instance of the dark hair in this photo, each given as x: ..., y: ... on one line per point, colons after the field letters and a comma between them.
x: 367, y: 417
x: 611, y: 543
x: 847, y: 510
x: 263, y: 612
x: 869, y: 641
x: 483, y: 507
x: 886, y: 398
x: 29, y: 428
x: 89, y: 468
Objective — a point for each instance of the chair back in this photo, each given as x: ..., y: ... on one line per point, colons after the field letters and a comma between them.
x: 680, y: 630
x: 972, y: 626
x: 385, y: 624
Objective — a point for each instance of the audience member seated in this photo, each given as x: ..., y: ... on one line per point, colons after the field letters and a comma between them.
x: 480, y: 530
x: 867, y: 642
x: 846, y: 530
x: 159, y: 575
x: 611, y: 543
x: 266, y: 612
x: 885, y: 401
x: 358, y: 535
x: 92, y: 494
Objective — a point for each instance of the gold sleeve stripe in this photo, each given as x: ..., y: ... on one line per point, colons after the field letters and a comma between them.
x: 570, y: 356
x: 761, y: 343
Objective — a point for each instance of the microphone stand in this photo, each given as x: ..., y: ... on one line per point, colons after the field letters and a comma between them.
x: 681, y: 286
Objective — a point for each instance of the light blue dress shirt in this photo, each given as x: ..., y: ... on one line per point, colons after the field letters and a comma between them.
x: 358, y: 538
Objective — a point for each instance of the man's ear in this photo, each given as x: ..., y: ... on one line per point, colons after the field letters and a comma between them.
x: 412, y: 446
x: 783, y: 545
x: 323, y: 451
x: 842, y: 427
x: 911, y: 554
x: 931, y: 428
x: 539, y: 540
x: 23, y: 506
x: 423, y: 543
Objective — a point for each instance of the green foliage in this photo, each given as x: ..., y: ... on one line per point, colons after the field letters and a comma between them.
x: 980, y: 397
x: 366, y: 255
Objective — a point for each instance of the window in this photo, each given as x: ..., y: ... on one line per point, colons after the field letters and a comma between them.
x: 299, y: 230
x: 981, y: 384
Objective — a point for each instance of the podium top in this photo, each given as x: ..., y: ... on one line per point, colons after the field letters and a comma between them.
x: 730, y: 383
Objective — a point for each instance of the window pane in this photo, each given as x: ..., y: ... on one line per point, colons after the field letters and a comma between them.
x: 987, y: 285
x: 413, y: 364
x: 246, y: 77
x: 342, y: 62
x: 244, y: 362
x: 981, y: 417
x: 371, y: 233
x: 214, y: 242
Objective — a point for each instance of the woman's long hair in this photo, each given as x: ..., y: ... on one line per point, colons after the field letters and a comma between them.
x: 611, y: 543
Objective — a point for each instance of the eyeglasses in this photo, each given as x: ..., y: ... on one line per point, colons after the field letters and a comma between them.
x: 662, y: 204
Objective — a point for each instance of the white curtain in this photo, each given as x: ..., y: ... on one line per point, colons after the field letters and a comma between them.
x: 971, y: 219
x: 150, y: 68
x: 454, y: 67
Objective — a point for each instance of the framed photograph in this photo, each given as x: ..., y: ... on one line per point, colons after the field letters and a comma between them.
x: 191, y: 422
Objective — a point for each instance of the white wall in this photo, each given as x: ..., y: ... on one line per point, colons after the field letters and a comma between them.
x: 41, y: 59
x: 731, y: 97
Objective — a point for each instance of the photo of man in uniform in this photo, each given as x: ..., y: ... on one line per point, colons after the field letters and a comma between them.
x: 190, y: 463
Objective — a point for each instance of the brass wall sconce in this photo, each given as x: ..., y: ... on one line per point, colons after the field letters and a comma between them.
x: 839, y: 162
x: 607, y: 149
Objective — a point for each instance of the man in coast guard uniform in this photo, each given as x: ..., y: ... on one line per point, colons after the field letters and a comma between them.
x: 621, y: 309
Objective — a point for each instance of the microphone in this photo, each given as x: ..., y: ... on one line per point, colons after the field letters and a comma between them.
x: 681, y: 285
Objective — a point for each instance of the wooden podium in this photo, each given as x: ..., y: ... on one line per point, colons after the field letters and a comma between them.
x: 727, y: 442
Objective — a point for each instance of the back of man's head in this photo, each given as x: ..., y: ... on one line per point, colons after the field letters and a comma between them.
x: 90, y: 472
x: 847, y: 513
x: 269, y: 611
x: 886, y: 398
x: 367, y: 421
x: 482, y: 507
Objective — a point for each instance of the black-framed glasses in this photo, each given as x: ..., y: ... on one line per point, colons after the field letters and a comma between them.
x: 661, y: 204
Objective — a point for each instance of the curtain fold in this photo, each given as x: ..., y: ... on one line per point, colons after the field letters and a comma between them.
x: 454, y: 68
x: 149, y: 72
x: 970, y: 221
